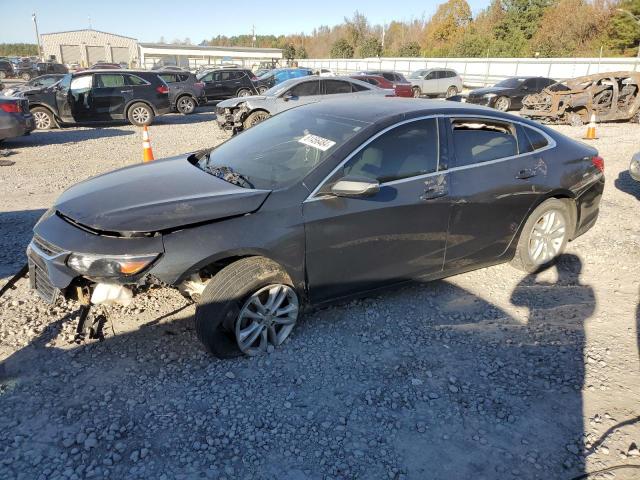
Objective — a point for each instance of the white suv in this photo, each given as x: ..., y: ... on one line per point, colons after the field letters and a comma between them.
x: 435, y: 82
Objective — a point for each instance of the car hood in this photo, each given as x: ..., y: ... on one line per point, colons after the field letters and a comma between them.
x: 156, y: 196
x: 485, y: 91
x: 234, y: 102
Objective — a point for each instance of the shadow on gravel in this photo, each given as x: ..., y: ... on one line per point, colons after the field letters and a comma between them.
x: 15, y: 234
x: 66, y: 135
x: 426, y: 381
x: 625, y: 183
x: 177, y: 119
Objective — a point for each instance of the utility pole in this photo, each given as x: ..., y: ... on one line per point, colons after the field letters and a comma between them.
x: 253, y: 35
x: 35, y: 23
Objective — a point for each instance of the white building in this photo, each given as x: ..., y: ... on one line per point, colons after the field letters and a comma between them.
x: 191, y: 56
x: 87, y: 47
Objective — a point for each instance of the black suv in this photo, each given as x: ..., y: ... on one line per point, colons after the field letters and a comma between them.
x: 228, y: 83
x: 29, y: 71
x: 186, y: 92
x: 100, y: 96
x: 6, y: 69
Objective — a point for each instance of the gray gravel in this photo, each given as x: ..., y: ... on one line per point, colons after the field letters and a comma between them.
x: 487, y: 375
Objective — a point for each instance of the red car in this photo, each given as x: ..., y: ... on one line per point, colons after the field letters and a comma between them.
x: 402, y: 89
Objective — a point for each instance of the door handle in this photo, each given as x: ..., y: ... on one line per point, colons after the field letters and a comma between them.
x: 526, y: 173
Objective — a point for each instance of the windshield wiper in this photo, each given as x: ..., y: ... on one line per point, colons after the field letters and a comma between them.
x: 228, y: 175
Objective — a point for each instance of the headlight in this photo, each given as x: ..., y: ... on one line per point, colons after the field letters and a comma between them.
x: 109, y: 265
x: 634, y: 167
x: 489, y: 95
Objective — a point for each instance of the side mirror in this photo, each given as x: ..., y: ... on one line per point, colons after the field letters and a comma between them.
x: 355, y: 187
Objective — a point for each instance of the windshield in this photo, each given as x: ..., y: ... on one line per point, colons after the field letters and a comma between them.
x: 418, y: 74
x: 281, y: 150
x: 510, y: 83
x: 266, y: 74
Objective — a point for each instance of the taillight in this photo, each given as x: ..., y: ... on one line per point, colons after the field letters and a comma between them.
x: 598, y: 162
x: 162, y: 89
x: 10, y: 107
x: 199, y: 84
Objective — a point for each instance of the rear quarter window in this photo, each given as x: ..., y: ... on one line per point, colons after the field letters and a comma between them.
x: 478, y: 141
x: 536, y: 139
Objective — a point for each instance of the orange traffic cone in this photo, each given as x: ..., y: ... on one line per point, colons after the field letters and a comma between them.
x: 147, y: 153
x: 591, y: 128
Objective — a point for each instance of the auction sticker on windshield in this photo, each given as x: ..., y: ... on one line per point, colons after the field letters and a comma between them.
x: 314, y: 141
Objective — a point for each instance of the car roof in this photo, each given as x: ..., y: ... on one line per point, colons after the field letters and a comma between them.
x: 113, y: 71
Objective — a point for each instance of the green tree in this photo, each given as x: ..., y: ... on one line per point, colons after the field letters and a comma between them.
x: 370, y: 47
x: 409, y: 49
x: 289, y: 51
x: 18, y: 49
x: 301, y: 52
x: 341, y: 49
x: 624, y: 31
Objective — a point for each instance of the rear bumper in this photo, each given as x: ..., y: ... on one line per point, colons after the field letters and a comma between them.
x: 16, y: 125
x: 588, y: 206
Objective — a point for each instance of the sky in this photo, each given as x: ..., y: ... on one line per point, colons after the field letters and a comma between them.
x: 147, y: 20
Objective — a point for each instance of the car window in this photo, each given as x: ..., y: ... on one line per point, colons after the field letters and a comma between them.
x: 477, y: 141
x: 135, y: 80
x: 305, y: 89
x: 225, y: 76
x: 405, y: 151
x: 281, y: 76
x: 168, y: 77
x: 182, y: 77
x: 358, y: 88
x: 537, y: 140
x: 109, y: 80
x: 332, y: 87
x: 208, y: 77
x: 432, y: 76
x: 81, y: 84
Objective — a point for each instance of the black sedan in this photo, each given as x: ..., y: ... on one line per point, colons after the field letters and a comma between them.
x: 320, y: 202
x: 508, y: 94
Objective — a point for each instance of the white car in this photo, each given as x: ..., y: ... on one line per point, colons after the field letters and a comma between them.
x: 326, y: 72
x: 435, y: 82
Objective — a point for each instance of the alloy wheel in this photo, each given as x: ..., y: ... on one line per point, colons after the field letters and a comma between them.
x: 547, y: 237
x: 261, y: 117
x: 267, y: 318
x: 244, y: 93
x: 502, y: 104
x: 140, y: 115
x: 186, y: 105
x: 452, y: 91
x: 42, y: 120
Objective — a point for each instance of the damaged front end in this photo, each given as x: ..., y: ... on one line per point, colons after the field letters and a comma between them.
x: 608, y: 96
x: 232, y: 118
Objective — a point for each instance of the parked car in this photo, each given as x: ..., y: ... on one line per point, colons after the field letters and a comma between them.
x: 241, y: 113
x: 228, y: 83
x: 100, y: 96
x: 27, y: 72
x: 326, y: 201
x: 38, y: 83
x: 390, y: 75
x: 634, y: 167
x: 15, y: 118
x: 435, y: 82
x: 508, y: 94
x: 186, y: 92
x: 325, y: 72
x: 171, y: 68
x: 6, y: 69
x: 610, y: 96
x: 401, y: 89
x: 279, y: 75
x: 105, y: 66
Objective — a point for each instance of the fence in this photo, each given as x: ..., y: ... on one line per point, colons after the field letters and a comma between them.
x: 477, y: 72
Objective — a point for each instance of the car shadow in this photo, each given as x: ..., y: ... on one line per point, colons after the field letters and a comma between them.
x: 16, y: 228
x: 65, y: 135
x: 425, y: 381
x: 625, y: 183
x: 202, y: 114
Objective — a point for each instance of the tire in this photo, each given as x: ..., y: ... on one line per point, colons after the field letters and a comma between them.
x: 43, y: 118
x: 140, y: 114
x: 547, y: 245
x: 186, y: 105
x: 261, y: 90
x: 219, y: 310
x: 502, y: 104
x: 255, y: 118
x: 417, y: 93
x: 3, y: 74
x: 25, y: 76
x: 451, y: 91
x: 243, y: 93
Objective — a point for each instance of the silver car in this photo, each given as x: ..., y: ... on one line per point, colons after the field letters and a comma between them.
x: 435, y: 82
x: 241, y: 113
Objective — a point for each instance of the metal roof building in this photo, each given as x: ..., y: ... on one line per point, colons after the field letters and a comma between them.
x: 86, y: 47
x: 191, y: 56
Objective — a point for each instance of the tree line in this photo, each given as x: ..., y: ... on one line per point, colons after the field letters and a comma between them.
x: 506, y: 28
x: 18, y: 49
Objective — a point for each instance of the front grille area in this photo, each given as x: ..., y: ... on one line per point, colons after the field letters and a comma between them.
x: 46, y: 247
x: 39, y: 280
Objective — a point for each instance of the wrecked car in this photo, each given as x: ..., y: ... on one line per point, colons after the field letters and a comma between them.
x: 610, y: 96
x: 322, y: 202
x: 240, y: 113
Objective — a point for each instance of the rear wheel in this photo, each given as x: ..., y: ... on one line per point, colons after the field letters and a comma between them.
x: 261, y: 90
x: 417, y: 93
x: 502, y: 103
x: 2, y: 74
x: 248, y: 308
x: 544, y: 236
x: 451, y: 91
x: 26, y: 76
x: 244, y: 93
x: 186, y: 105
x: 43, y: 118
x: 140, y: 114
x: 255, y: 118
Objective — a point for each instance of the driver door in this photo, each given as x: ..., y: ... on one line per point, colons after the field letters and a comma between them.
x: 300, y: 94
x: 355, y: 244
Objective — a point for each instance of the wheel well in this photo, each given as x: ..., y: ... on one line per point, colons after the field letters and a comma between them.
x: 186, y: 94
x: 126, y: 112
x: 573, y: 209
x: 213, y: 268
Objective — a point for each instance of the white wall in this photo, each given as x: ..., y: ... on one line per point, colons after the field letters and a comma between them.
x: 477, y: 72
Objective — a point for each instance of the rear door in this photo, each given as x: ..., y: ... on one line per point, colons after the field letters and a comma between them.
x: 111, y: 93
x: 495, y: 180
x: 80, y: 98
x: 212, y: 85
x: 300, y: 94
x: 356, y: 244
x: 229, y: 80
x: 335, y: 88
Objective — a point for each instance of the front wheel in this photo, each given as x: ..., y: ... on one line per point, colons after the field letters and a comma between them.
x: 248, y: 307
x: 502, y: 104
x: 140, y: 114
x: 255, y: 118
x: 25, y: 76
x: 186, y: 105
x: 43, y: 118
x: 417, y: 93
x: 451, y: 91
x: 544, y: 236
x: 244, y: 93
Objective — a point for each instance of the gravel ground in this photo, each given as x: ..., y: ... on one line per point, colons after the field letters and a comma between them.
x: 487, y: 375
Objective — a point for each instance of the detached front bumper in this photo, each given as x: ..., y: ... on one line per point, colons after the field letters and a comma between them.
x: 230, y: 119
